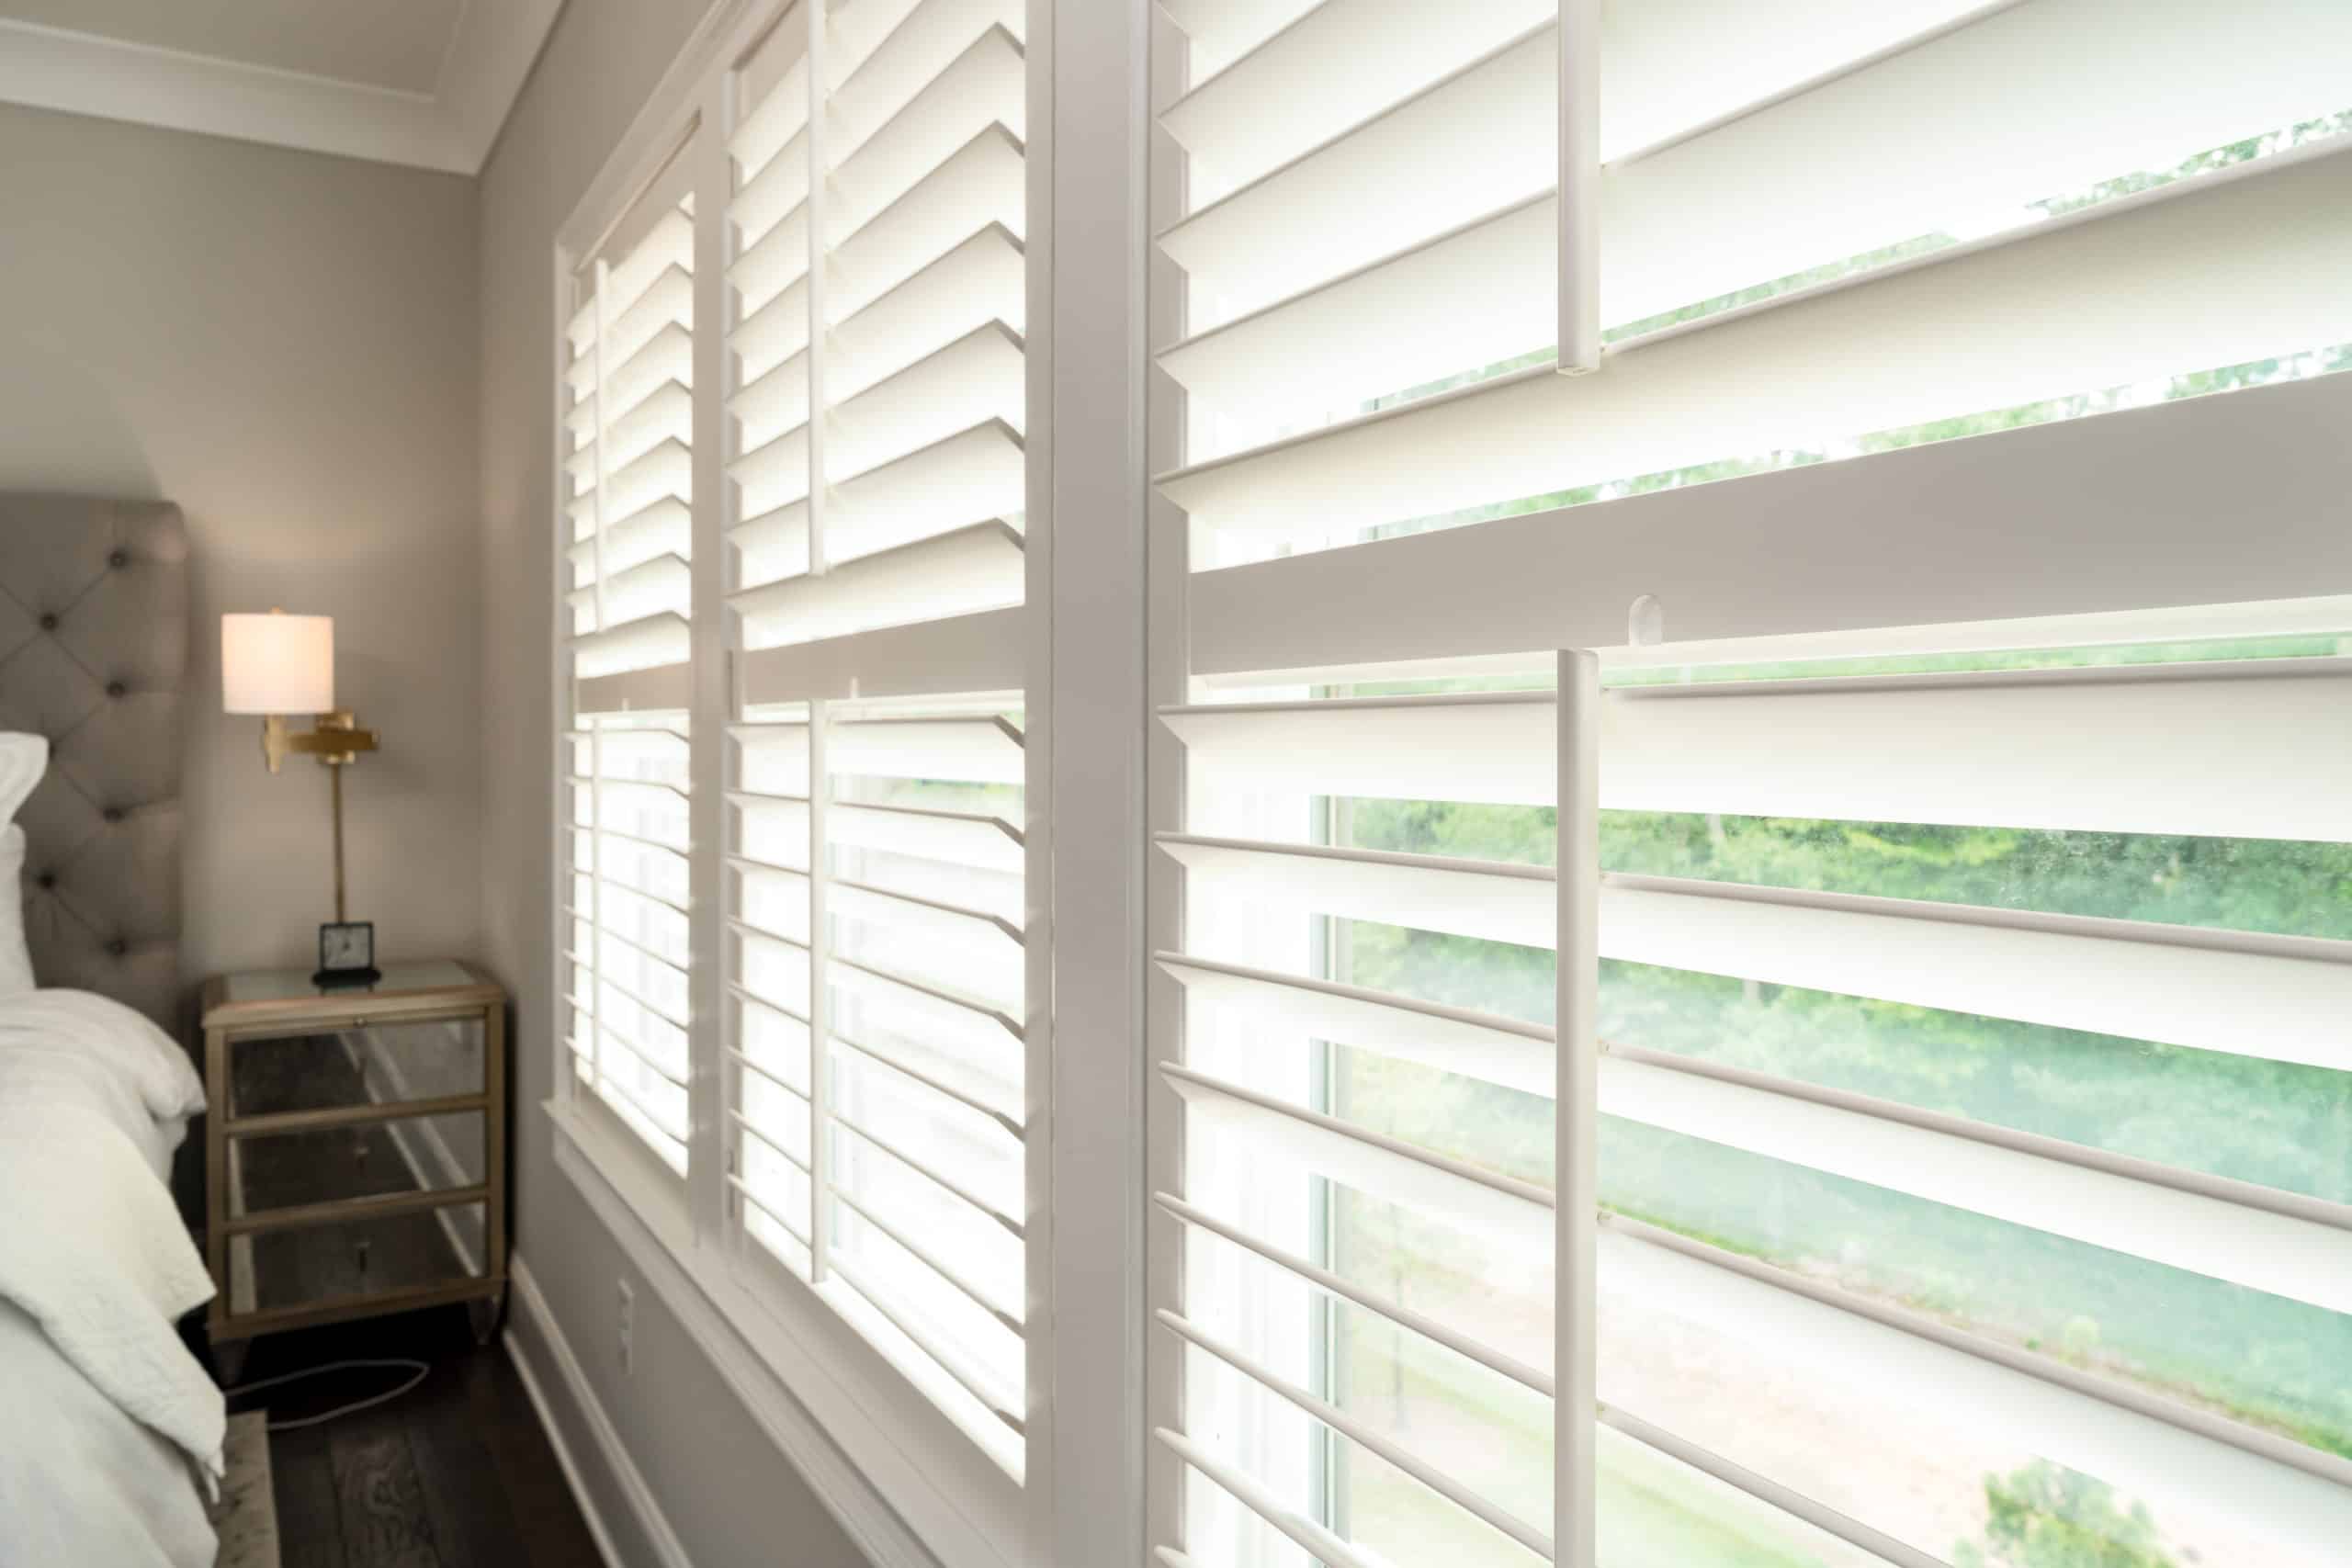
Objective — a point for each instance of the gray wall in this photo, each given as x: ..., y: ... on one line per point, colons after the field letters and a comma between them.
x: 726, y: 1490
x: 284, y: 344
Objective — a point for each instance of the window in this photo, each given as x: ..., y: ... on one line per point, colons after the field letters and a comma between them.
x: 1965, y: 830
x: 798, y: 400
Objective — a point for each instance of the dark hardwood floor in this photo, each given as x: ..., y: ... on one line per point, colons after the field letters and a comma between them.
x: 455, y: 1474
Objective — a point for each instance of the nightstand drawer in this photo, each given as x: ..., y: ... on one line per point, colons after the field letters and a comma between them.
x: 368, y: 1062
x: 345, y: 1262
x: 300, y: 1166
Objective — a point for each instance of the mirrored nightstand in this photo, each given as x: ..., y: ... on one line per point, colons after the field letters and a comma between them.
x: 356, y: 1149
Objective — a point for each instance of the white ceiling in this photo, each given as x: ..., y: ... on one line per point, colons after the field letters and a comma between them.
x: 421, y: 82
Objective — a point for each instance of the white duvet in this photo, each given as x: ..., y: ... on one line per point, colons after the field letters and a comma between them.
x: 110, y: 1430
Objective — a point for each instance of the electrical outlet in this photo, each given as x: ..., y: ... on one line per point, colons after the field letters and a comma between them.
x: 628, y: 1327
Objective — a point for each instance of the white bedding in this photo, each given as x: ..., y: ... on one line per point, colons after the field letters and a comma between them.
x: 110, y: 1430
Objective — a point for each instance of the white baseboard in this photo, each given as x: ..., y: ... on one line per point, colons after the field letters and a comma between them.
x: 621, y: 1511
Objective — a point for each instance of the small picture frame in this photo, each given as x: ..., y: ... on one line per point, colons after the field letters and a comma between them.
x: 346, y: 954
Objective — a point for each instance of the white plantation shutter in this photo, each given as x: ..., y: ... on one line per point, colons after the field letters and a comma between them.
x: 626, y: 556
x: 876, y: 768
x: 1816, y: 1191
x: 794, y: 857
x: 1284, y: 269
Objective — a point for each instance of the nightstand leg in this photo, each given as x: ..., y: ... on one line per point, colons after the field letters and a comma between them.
x: 486, y: 1310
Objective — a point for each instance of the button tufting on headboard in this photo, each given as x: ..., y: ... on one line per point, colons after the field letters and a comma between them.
x: 99, y: 668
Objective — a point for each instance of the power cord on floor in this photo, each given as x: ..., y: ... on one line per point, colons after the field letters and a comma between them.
x: 417, y: 1368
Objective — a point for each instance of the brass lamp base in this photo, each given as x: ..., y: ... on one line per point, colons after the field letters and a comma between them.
x: 336, y: 740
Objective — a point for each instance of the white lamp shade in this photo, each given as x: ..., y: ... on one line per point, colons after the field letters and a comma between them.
x: 276, y: 663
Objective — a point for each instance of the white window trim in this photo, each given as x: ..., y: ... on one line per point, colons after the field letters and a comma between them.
x: 867, y: 1442
x: 1090, y: 139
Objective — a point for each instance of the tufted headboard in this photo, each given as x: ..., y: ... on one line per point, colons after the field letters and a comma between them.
x: 94, y: 645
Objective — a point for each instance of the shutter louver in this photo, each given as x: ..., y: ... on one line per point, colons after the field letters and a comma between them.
x: 630, y: 432
x: 1964, y: 1141
x: 875, y: 772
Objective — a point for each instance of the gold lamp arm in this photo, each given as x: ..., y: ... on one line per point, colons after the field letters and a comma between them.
x: 337, y: 739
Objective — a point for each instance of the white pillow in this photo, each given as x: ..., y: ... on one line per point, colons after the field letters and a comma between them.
x: 23, y: 759
x: 16, y: 958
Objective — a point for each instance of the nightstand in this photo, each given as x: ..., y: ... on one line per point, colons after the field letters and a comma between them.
x: 356, y: 1148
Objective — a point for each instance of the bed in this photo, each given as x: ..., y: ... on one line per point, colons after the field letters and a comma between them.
x: 111, y: 1443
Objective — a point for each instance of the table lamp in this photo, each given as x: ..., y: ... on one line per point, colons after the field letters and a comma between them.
x: 278, y: 664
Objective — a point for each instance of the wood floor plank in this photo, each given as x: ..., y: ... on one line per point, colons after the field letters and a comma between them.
x: 545, y: 1510
x: 382, y: 1500
x: 456, y: 1473
x: 473, y: 1519
x: 310, y: 1520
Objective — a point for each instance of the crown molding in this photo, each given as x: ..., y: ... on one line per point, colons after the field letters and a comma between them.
x: 452, y: 129
x: 491, y: 51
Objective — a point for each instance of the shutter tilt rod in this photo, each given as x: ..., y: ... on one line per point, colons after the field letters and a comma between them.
x: 1579, y: 202
x: 1576, y: 1399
